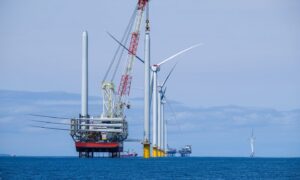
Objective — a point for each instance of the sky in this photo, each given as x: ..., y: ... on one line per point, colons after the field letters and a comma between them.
x: 250, y: 57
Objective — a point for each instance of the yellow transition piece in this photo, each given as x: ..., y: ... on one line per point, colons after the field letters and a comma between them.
x: 154, y: 152
x: 146, y: 150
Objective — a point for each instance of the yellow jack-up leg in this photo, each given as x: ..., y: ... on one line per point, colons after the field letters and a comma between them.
x: 154, y: 152
x: 146, y: 150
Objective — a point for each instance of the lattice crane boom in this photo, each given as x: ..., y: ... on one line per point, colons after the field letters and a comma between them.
x: 125, y: 83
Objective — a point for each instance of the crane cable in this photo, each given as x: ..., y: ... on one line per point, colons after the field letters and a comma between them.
x: 125, y: 37
x: 130, y: 25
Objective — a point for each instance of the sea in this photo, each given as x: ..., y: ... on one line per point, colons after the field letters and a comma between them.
x: 139, y: 168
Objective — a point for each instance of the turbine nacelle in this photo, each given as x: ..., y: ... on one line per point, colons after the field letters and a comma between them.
x: 155, y: 68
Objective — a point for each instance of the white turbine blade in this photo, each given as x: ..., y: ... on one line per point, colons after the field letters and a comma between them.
x: 165, y: 81
x: 177, y: 54
x: 168, y: 103
x: 163, y: 93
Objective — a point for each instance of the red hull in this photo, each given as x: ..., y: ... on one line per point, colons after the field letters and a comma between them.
x: 96, y: 145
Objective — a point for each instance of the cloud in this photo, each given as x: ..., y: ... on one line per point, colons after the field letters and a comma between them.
x: 206, y: 124
x: 224, y: 117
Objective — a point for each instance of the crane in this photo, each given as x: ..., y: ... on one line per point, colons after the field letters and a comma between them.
x: 114, y: 103
x: 106, y: 133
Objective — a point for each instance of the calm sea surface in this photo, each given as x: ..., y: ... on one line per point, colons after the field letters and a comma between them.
x: 138, y: 168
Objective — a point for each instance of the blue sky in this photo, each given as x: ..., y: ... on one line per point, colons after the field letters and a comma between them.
x: 251, y: 56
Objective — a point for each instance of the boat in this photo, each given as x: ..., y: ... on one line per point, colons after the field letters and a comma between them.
x: 127, y: 154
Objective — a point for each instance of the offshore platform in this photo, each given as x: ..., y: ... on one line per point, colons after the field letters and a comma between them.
x: 108, y: 132
x: 185, y: 151
x: 171, y: 152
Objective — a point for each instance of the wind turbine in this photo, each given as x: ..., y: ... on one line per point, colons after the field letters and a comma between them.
x: 155, y: 68
x: 252, y: 141
x: 155, y: 111
x: 146, y: 139
x: 161, y: 121
x: 162, y: 128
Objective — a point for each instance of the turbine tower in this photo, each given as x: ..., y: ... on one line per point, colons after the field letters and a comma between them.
x: 146, y: 140
x: 164, y: 127
x: 161, y: 116
x: 252, y: 141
